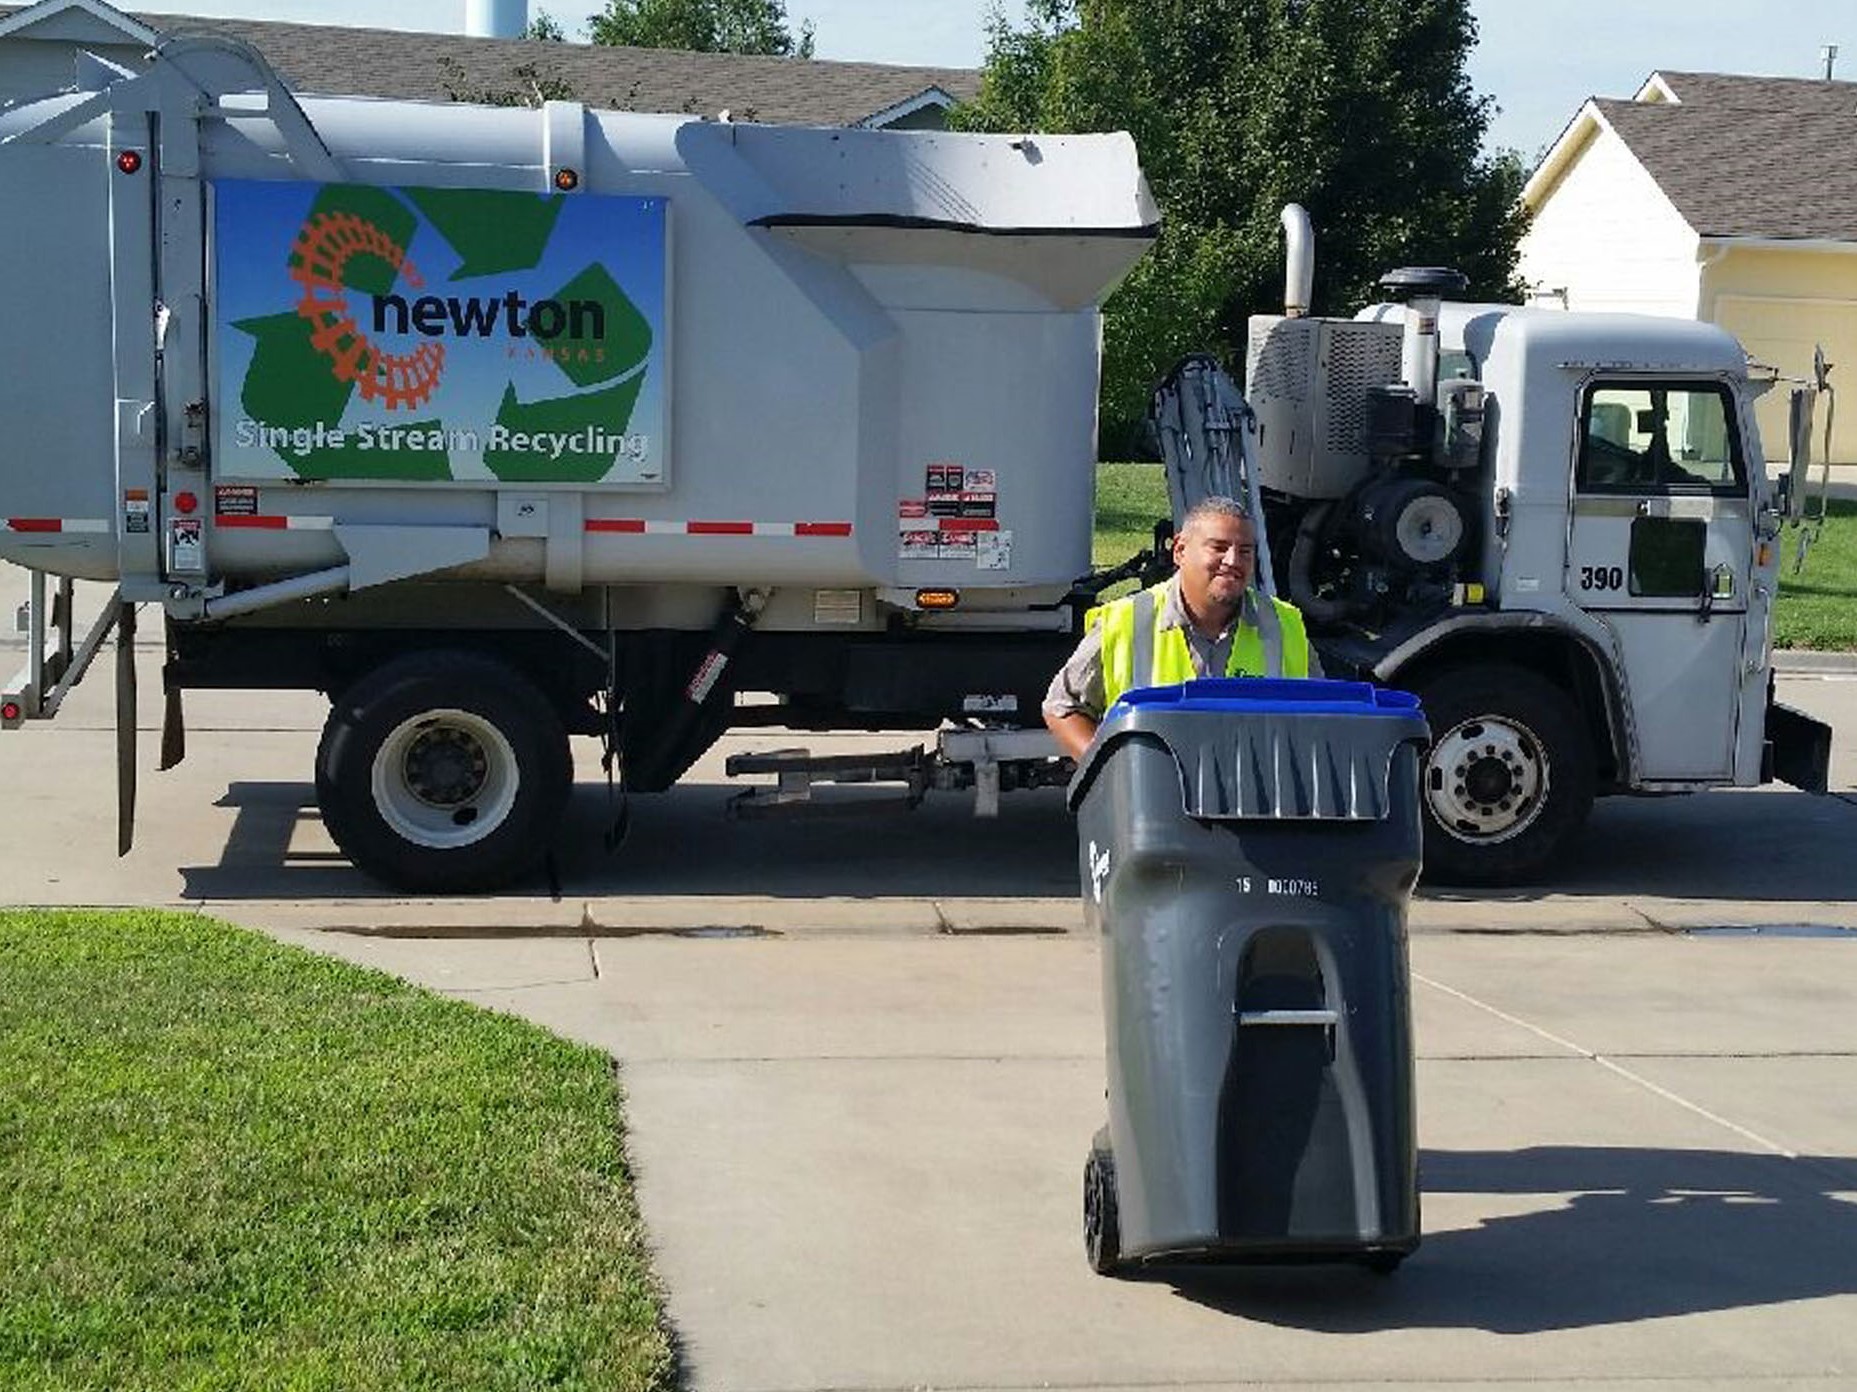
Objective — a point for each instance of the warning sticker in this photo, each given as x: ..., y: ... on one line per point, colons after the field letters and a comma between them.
x: 233, y: 500
x: 993, y: 550
x: 957, y: 546
x: 919, y: 546
x: 135, y: 511
x: 945, y: 478
x: 185, y: 554
x: 912, y: 507
x: 980, y: 481
x: 979, y: 504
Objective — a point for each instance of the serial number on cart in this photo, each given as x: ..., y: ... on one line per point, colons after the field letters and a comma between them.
x: 1288, y: 889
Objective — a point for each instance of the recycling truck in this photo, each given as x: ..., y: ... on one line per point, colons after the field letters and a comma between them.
x: 500, y: 426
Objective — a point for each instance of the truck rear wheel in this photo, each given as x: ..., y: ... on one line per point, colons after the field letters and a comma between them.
x: 1508, y: 777
x: 443, y: 773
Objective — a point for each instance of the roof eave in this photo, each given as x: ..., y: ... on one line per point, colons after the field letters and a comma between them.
x: 1657, y: 88
x: 1736, y: 242
x: 1586, y: 123
x: 909, y: 106
x: 133, y: 30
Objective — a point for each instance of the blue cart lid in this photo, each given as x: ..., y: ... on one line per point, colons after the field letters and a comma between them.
x: 1252, y: 748
x: 1270, y: 696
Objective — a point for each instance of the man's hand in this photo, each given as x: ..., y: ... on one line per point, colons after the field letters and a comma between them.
x: 1073, y: 732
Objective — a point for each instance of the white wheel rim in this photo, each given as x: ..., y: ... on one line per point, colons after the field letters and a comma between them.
x: 445, y: 779
x: 1486, y: 779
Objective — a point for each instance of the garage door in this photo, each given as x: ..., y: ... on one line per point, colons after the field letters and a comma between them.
x: 1783, y: 332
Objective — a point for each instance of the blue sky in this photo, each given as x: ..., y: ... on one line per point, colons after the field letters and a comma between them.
x: 1538, y: 58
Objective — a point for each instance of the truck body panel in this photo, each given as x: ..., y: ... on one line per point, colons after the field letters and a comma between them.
x: 801, y: 307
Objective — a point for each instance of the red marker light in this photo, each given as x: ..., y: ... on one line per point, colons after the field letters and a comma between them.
x: 186, y: 504
x: 10, y: 712
x: 129, y: 161
x: 567, y: 180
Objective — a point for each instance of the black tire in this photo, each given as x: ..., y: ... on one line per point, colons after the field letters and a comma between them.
x: 1382, y: 1263
x: 443, y: 772
x: 1102, y: 1225
x: 1491, y: 724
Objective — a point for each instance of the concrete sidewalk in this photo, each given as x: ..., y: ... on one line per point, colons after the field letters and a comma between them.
x: 859, y: 1158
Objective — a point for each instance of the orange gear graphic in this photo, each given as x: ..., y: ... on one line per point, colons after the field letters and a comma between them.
x: 323, y: 248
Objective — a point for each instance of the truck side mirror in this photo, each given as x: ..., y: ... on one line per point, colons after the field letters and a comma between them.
x: 1801, y: 408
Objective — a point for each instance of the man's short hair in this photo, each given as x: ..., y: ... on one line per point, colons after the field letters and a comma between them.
x: 1216, y: 505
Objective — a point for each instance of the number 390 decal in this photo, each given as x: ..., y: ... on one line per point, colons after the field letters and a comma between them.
x: 1602, y: 577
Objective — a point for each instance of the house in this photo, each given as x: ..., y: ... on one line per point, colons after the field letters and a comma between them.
x: 39, y: 44
x: 1718, y: 197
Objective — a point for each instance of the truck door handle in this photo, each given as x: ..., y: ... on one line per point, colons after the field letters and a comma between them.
x: 1718, y: 584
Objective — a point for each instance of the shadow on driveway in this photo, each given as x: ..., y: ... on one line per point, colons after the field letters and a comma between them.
x: 1775, y: 846
x: 1615, y: 1236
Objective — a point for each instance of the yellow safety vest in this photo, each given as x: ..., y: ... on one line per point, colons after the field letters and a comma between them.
x: 1126, y: 622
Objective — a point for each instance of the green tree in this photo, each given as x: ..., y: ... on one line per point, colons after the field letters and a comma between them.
x: 704, y: 26
x: 1360, y: 110
x: 545, y: 28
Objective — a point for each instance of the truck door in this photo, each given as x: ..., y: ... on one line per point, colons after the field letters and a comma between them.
x: 1660, y: 549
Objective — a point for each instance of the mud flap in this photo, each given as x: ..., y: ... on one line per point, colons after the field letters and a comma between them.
x: 125, y: 729
x: 1798, y: 749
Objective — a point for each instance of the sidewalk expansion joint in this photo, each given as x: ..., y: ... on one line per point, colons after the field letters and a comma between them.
x: 486, y: 932
x: 1612, y: 1066
x: 464, y: 992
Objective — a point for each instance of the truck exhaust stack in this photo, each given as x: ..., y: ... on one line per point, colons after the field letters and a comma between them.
x: 1299, y: 261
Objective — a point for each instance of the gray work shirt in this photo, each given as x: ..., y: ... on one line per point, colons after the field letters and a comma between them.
x: 1077, y: 689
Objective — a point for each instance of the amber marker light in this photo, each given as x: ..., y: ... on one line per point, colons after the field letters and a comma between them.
x: 567, y: 180
x: 129, y: 161
x: 937, y: 599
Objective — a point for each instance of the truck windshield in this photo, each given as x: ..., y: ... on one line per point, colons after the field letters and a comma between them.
x: 1660, y: 437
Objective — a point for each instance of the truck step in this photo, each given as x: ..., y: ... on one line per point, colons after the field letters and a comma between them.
x: 797, y: 770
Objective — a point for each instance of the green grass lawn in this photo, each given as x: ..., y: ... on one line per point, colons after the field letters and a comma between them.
x: 1129, y: 498
x: 226, y: 1163
x: 1816, y: 609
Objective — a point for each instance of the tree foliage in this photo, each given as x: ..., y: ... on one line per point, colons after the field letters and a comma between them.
x: 703, y: 26
x: 1360, y: 110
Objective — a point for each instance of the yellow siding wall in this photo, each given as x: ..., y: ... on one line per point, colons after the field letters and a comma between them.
x: 1780, y: 304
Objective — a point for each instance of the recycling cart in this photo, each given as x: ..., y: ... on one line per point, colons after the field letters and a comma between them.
x: 1248, y: 849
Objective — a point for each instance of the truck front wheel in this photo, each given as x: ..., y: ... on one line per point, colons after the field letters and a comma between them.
x: 442, y: 773
x: 1508, y: 777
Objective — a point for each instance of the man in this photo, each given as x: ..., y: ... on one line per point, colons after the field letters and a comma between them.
x: 1205, y: 621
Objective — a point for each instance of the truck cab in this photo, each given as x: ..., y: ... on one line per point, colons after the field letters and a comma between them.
x: 1558, y: 529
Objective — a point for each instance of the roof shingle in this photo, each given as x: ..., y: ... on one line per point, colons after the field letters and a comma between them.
x: 334, y: 60
x: 1768, y: 157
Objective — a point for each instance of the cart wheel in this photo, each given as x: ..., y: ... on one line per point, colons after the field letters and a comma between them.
x: 1383, y: 1263
x: 1102, y: 1229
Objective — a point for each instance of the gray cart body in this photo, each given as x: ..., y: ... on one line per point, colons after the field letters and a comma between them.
x: 1248, y: 849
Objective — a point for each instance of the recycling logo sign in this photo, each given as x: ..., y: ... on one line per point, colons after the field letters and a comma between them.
x: 427, y: 334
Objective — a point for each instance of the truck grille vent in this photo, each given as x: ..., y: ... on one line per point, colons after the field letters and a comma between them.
x: 1279, y: 358
x: 1359, y: 356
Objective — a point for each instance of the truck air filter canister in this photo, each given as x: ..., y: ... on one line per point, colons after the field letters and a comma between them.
x: 1248, y: 849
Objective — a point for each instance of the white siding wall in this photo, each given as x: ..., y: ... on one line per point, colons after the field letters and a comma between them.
x: 1607, y: 234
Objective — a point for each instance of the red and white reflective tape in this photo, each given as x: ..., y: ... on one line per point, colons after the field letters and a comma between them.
x: 274, y: 523
x: 58, y: 524
x: 639, y: 526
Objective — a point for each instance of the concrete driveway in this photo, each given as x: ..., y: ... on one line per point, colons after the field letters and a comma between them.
x: 864, y: 1060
